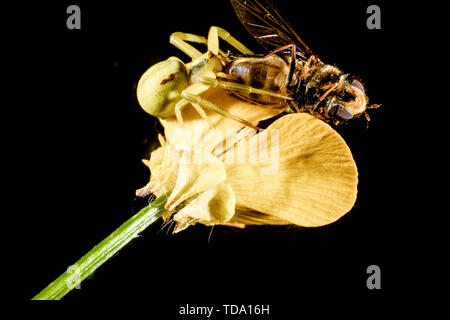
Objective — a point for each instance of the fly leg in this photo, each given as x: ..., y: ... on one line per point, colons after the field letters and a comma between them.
x: 291, y: 46
x: 213, y: 41
x: 329, y: 88
x: 306, y: 67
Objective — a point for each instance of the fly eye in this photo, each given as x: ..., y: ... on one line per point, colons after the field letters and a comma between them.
x: 355, y: 82
x: 340, y: 112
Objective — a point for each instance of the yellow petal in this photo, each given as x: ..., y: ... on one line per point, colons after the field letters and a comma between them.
x: 198, y: 171
x: 252, y: 217
x: 163, y: 166
x: 199, y: 130
x: 161, y: 140
x: 146, y: 162
x: 307, y: 175
x: 214, y: 206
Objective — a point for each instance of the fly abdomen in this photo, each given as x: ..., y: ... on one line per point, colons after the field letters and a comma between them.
x: 268, y: 73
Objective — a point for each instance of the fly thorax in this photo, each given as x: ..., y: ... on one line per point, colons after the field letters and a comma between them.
x: 309, y: 87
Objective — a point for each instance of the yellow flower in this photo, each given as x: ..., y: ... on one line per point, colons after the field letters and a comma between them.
x: 297, y: 171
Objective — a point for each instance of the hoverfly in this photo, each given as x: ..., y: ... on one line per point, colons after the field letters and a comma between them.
x: 290, y: 77
x: 291, y: 68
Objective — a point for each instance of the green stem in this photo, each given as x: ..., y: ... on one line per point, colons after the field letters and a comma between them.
x: 103, y: 251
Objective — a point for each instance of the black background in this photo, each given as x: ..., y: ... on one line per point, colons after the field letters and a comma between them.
x: 82, y: 136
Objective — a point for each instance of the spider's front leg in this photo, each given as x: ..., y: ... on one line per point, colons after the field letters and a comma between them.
x: 178, y: 39
x: 233, y: 86
x: 213, y: 41
x: 194, y: 89
x: 198, y: 100
x: 191, y: 95
x: 181, y: 39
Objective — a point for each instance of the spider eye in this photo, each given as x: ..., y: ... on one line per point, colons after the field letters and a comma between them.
x: 355, y: 82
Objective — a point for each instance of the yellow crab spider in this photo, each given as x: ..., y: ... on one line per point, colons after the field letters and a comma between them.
x: 168, y: 86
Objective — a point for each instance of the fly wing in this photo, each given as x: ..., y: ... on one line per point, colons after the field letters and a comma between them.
x: 265, y: 23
